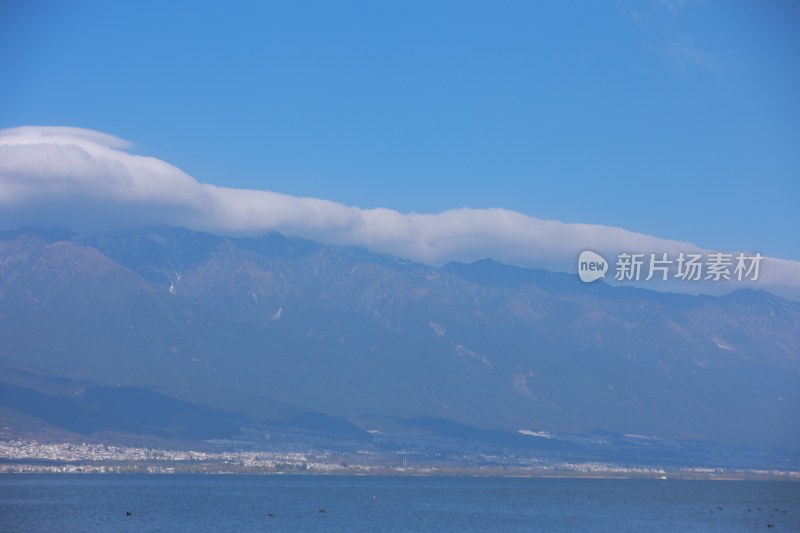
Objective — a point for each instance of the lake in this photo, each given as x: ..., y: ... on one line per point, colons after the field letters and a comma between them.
x: 172, y: 503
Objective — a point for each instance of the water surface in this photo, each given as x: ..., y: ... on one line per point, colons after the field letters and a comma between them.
x: 244, y: 503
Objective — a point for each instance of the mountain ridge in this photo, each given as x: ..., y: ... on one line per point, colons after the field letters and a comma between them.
x: 247, y: 324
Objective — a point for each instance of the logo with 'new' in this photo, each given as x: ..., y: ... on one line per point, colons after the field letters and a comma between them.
x: 591, y: 266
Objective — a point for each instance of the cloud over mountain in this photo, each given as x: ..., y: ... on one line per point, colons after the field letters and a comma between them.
x: 84, y: 179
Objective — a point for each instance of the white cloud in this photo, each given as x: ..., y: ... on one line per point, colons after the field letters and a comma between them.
x: 84, y: 179
x: 676, y: 6
x: 683, y: 55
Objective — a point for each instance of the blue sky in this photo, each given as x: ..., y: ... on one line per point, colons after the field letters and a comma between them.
x: 676, y: 119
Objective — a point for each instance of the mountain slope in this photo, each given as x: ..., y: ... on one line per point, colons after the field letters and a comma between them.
x: 270, y: 328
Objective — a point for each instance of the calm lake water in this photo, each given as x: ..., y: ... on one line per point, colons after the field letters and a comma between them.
x: 244, y: 503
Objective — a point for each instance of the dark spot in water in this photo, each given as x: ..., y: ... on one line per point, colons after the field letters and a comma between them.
x: 270, y: 514
x: 128, y: 513
x: 321, y: 511
x: 770, y: 525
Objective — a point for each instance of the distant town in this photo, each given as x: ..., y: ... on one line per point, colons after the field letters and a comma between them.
x: 20, y: 457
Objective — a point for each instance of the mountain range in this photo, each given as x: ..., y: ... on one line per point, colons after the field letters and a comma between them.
x: 171, y: 332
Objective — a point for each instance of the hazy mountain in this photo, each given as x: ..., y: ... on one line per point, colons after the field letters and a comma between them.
x: 284, y: 329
